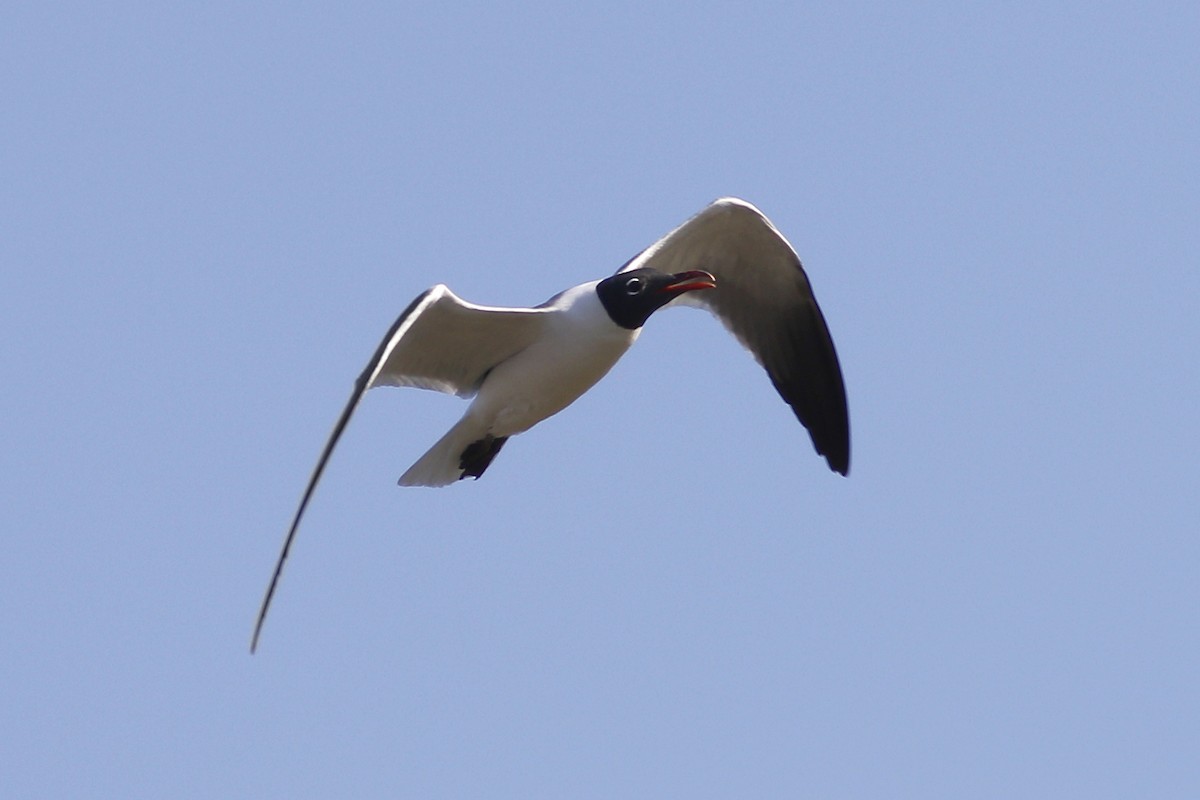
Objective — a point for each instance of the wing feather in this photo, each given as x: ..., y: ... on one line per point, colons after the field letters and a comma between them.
x: 439, y: 342
x: 764, y: 298
x: 450, y: 345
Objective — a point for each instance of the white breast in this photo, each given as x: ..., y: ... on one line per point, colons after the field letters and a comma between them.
x: 580, y: 346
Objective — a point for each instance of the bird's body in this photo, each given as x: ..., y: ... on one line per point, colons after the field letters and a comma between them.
x: 522, y: 365
x: 577, y: 344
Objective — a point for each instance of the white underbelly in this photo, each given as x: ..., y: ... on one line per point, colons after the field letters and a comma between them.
x: 543, y: 380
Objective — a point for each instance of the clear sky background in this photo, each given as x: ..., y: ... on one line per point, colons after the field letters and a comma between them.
x: 210, y: 213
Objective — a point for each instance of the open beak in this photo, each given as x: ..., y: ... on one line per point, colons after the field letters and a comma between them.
x: 687, y: 281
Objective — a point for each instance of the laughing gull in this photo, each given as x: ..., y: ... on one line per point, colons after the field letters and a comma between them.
x: 522, y: 365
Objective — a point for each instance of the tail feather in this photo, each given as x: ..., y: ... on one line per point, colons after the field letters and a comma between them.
x: 441, y: 466
x: 466, y: 450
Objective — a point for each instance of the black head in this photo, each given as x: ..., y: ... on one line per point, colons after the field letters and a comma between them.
x: 631, y: 297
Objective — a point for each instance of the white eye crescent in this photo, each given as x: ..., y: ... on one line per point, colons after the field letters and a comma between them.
x: 634, y: 286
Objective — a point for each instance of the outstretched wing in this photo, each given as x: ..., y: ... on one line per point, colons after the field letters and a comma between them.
x: 440, y: 342
x: 763, y: 298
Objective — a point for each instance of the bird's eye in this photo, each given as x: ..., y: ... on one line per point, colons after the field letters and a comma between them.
x: 634, y: 286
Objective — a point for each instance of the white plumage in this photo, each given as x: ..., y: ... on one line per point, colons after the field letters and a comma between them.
x: 522, y: 365
x: 544, y: 358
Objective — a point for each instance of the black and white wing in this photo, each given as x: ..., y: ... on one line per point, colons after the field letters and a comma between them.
x: 764, y: 298
x: 440, y: 342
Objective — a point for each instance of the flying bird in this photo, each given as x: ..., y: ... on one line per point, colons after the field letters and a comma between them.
x: 522, y: 365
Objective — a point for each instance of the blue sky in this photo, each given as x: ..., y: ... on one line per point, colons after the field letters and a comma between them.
x: 211, y: 212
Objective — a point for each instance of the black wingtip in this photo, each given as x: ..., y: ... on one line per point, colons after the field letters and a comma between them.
x: 835, y: 448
